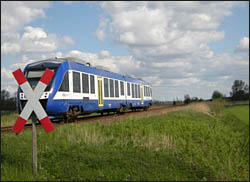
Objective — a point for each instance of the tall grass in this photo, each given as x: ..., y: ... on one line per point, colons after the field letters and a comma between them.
x: 8, y: 118
x: 217, y: 106
x: 182, y: 145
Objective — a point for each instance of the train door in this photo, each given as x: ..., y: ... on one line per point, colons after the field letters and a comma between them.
x: 142, y: 101
x: 100, y: 92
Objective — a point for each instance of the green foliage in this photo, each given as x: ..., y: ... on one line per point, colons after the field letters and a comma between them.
x: 161, y: 103
x: 187, y: 99
x: 217, y: 95
x: 7, y: 103
x: 240, y: 91
x: 240, y: 112
x: 183, y: 145
x: 240, y: 95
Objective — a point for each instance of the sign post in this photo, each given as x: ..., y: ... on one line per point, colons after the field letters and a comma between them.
x: 33, y: 104
x: 34, y: 144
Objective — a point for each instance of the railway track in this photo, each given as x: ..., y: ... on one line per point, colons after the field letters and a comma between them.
x: 103, y: 118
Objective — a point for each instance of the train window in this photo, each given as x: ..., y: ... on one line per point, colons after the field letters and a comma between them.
x: 116, y: 88
x: 106, y: 87
x: 92, y: 84
x: 111, y: 87
x: 139, y: 93
x: 122, y: 88
x: 144, y: 90
x: 128, y: 88
x: 136, y: 91
x: 76, y: 82
x: 85, y: 83
x: 65, y: 83
x: 133, y: 90
x: 147, y: 91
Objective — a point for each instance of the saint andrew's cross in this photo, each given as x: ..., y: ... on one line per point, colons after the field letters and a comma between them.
x: 33, y: 103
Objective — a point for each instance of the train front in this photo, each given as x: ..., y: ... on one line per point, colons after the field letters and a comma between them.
x: 33, y: 73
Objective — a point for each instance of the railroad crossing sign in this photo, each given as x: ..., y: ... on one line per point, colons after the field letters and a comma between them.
x: 33, y: 103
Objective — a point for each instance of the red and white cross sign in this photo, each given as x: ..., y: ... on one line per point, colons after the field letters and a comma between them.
x: 33, y: 103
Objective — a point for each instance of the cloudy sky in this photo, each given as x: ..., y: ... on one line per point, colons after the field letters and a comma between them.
x: 186, y: 47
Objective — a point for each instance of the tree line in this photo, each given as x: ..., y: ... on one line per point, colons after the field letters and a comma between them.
x: 239, y: 92
x: 8, y: 103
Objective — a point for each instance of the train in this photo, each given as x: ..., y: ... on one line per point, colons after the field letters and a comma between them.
x: 78, y: 88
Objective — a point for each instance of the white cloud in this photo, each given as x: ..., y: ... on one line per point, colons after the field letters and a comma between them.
x: 169, y: 79
x: 7, y: 81
x: 34, y: 39
x: 100, y: 32
x: 243, y: 45
x: 15, y: 14
x: 171, y: 40
x: 155, y: 30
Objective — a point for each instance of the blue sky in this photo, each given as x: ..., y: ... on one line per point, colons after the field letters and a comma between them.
x: 235, y: 27
x: 179, y: 47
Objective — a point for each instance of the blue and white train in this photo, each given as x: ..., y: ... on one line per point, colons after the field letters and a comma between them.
x: 78, y: 88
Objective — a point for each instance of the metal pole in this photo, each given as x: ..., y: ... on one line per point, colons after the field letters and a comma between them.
x: 34, y: 144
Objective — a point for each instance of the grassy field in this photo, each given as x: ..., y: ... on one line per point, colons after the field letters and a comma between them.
x: 240, y: 112
x: 180, y: 145
x: 8, y: 118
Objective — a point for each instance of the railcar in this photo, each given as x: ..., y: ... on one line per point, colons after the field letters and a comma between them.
x: 79, y: 88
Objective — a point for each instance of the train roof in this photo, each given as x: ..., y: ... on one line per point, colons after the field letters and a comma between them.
x: 53, y: 62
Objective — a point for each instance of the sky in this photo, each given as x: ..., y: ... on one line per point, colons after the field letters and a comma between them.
x: 182, y: 47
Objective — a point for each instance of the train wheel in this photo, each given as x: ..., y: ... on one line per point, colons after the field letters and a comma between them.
x: 71, y: 115
x: 121, y: 110
x: 65, y: 118
x: 125, y: 109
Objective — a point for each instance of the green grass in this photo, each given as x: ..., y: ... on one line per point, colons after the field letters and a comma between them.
x: 182, y: 145
x: 240, y: 112
x: 8, y: 118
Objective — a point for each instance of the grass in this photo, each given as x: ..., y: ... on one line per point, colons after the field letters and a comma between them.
x: 8, y: 118
x: 240, y: 112
x: 181, y: 145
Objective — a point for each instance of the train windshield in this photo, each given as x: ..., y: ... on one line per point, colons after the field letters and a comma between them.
x: 34, y: 75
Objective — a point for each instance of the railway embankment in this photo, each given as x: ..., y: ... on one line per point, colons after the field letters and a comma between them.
x: 186, y: 144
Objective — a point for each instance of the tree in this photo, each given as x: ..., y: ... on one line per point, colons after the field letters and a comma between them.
x: 194, y: 99
x: 187, y: 99
x: 7, y: 103
x: 240, y: 90
x: 239, y: 85
x: 5, y: 95
x: 174, y: 103
x: 216, y: 95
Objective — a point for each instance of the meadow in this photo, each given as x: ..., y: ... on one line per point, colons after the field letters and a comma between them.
x: 8, y: 118
x: 179, y: 145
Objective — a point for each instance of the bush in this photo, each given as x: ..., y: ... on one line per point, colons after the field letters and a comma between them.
x: 187, y: 99
x: 217, y: 95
